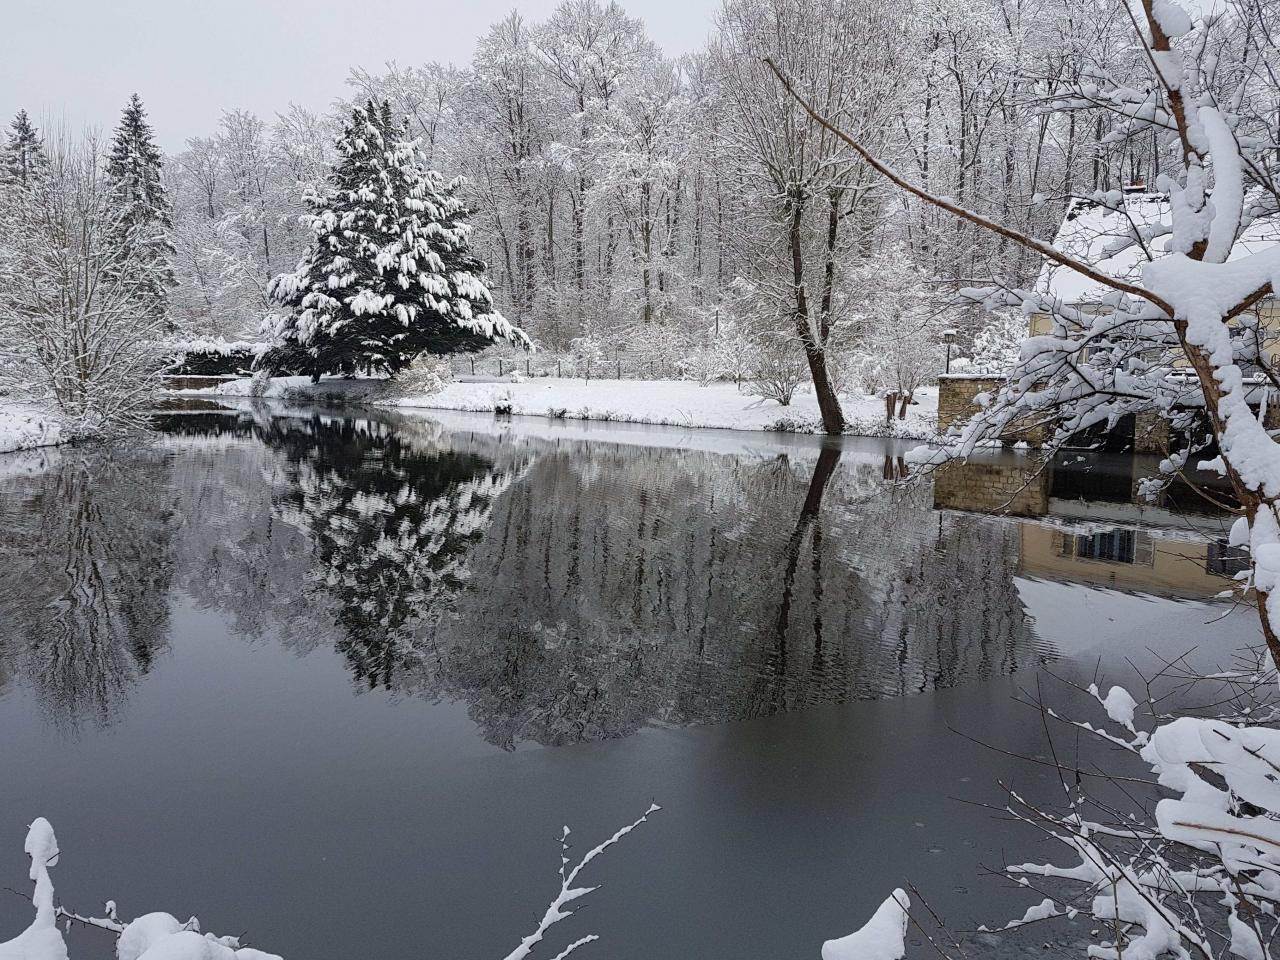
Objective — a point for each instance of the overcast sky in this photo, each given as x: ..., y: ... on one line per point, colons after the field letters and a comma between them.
x: 78, y: 60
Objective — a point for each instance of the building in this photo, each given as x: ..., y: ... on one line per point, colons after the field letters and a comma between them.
x: 1104, y: 237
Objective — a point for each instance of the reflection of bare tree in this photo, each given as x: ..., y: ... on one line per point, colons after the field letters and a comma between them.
x: 624, y: 586
x: 579, y: 591
x: 84, y: 579
x: 808, y: 527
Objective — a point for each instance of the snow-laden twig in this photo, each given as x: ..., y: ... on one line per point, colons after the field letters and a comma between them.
x: 556, y: 911
x: 153, y: 936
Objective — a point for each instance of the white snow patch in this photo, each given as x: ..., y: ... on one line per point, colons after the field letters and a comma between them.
x: 883, y: 937
x: 25, y: 427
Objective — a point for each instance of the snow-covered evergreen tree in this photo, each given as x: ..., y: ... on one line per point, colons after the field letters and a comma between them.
x: 390, y: 274
x: 22, y: 157
x: 134, y: 165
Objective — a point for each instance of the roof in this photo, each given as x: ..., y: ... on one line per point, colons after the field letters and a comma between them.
x: 1090, y: 231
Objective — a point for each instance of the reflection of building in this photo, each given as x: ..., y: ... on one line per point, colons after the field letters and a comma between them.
x: 1126, y: 558
x: 1084, y: 523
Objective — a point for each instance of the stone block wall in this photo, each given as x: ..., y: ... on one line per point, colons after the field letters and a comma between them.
x: 1150, y: 433
x: 956, y: 404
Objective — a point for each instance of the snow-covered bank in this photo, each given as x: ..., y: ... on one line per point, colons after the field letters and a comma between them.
x: 681, y: 403
x: 25, y: 427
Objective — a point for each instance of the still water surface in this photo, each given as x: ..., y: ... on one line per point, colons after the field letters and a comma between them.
x: 338, y: 681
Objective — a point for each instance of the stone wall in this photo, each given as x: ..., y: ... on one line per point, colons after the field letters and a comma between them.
x: 1150, y: 433
x: 956, y: 393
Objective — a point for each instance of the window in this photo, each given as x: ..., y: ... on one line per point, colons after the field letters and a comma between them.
x: 1113, y: 546
x: 1225, y: 560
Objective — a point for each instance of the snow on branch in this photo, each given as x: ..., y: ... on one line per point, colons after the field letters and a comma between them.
x: 160, y: 936
x: 556, y: 911
x: 1199, y: 876
x: 154, y: 936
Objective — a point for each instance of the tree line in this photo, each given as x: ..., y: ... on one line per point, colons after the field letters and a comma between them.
x: 688, y: 209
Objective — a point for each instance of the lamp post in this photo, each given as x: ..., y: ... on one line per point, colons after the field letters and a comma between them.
x: 948, y: 337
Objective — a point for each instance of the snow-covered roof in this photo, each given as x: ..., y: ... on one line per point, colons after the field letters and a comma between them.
x: 1102, y: 234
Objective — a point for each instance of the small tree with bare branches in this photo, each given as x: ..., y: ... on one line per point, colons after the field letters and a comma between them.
x: 75, y: 300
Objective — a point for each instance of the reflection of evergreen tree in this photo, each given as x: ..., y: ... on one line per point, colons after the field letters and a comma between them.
x: 391, y: 524
x: 85, y: 565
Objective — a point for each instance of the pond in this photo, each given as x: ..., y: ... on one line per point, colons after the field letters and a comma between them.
x: 338, y: 680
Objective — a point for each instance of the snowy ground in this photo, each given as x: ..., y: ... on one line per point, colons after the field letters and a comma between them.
x: 682, y: 403
x: 25, y: 427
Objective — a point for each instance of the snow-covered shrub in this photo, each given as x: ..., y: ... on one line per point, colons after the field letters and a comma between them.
x: 728, y: 351
x: 214, y: 357
x: 895, y: 343
x: 503, y: 403
x: 77, y: 278
x: 780, y: 369
x: 426, y: 375
x: 587, y: 351
x: 654, y: 348
x: 260, y: 383
x: 790, y: 425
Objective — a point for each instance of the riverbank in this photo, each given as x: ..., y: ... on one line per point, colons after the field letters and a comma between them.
x: 680, y: 403
x: 25, y: 426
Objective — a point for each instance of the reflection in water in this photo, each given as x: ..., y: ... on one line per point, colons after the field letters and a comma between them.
x: 390, y: 523
x: 1093, y: 526
x: 85, y: 565
x: 566, y: 591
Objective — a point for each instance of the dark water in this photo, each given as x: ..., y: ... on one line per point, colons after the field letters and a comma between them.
x: 339, y: 681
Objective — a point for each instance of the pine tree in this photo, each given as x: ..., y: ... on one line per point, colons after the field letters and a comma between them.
x: 390, y: 273
x: 22, y: 159
x: 134, y: 165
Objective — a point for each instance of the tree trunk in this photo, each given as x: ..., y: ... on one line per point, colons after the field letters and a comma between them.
x: 815, y: 352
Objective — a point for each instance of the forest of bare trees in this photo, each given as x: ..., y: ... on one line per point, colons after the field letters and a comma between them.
x: 682, y: 209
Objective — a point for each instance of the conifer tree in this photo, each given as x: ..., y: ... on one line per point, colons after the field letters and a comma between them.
x: 22, y: 159
x: 390, y: 273
x: 134, y: 165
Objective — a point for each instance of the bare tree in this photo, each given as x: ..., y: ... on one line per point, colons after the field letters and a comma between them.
x: 846, y: 56
x: 73, y: 296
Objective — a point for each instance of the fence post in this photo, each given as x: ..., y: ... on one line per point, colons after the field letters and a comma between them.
x: 499, y: 368
x: 528, y: 367
x: 619, y: 368
x: 473, y: 366
x: 558, y: 373
x: 651, y: 376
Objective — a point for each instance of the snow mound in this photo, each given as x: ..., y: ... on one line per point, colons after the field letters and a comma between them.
x: 883, y: 937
